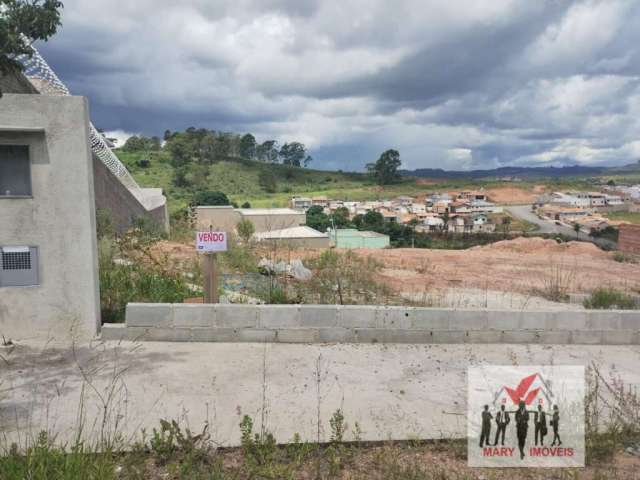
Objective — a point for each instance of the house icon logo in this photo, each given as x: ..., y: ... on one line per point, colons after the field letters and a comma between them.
x: 533, y: 390
x: 525, y: 416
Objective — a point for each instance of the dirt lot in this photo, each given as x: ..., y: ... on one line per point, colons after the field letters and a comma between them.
x: 522, y: 266
x: 519, y: 265
x: 512, y: 195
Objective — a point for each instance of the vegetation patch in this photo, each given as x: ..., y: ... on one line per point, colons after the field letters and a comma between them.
x: 610, y: 298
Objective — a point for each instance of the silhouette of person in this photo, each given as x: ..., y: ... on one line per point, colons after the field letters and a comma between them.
x: 486, y: 426
x: 555, y: 423
x: 502, y: 420
x: 522, y: 425
x: 540, y: 422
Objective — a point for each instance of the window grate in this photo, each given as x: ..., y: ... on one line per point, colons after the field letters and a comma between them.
x: 16, y: 260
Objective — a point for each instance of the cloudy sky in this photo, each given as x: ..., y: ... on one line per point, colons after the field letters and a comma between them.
x: 455, y: 84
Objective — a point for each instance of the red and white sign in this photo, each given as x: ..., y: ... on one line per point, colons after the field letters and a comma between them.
x: 211, y: 241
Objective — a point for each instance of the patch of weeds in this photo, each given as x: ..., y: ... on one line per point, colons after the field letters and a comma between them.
x: 344, y: 279
x: 259, y: 448
x: 622, y: 257
x: 556, y: 283
x: 610, y: 298
x: 127, y: 276
x: 44, y: 461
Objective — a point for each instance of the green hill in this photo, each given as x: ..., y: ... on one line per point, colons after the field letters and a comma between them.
x: 242, y: 181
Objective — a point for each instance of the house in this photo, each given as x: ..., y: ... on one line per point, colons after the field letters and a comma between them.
x: 418, y: 208
x: 481, y: 223
x: 300, y: 203
x: 569, y: 200
x: 388, y: 215
x: 613, y: 200
x: 404, y: 200
x: 433, y: 223
x: 320, y: 202
x: 484, y: 207
x: 456, y: 224
x: 442, y: 206
x: 472, y: 195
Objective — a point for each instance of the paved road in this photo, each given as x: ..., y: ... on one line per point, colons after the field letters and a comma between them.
x: 524, y: 212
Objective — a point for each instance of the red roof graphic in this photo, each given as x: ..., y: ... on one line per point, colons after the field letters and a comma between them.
x: 522, y: 392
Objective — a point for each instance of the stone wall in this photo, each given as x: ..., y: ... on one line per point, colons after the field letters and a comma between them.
x: 629, y: 238
x: 369, y: 324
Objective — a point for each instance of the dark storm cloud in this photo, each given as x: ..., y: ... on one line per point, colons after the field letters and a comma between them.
x: 452, y: 84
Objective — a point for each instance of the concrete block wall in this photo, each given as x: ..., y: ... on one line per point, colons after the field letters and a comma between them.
x: 370, y: 324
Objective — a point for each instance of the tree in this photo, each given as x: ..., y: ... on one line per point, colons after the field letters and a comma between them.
x: 307, y: 161
x: 576, y: 228
x: 317, y: 219
x: 248, y: 146
x: 22, y: 22
x: 385, y: 170
x: 141, y: 143
x: 293, y: 154
x: 210, y: 198
x: 340, y: 217
x: 506, y: 224
x: 267, y: 151
x: 445, y: 220
x: 180, y: 149
x: 373, y: 220
x: 245, y: 229
x: 267, y: 180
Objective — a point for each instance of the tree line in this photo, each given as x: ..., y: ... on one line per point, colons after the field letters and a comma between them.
x: 207, y: 146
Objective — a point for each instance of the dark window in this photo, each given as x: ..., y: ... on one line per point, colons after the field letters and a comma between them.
x: 15, y: 171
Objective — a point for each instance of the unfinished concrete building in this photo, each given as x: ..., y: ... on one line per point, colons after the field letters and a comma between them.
x: 55, y: 172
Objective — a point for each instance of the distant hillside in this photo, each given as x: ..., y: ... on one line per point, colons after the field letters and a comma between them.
x: 521, y: 172
x: 525, y: 172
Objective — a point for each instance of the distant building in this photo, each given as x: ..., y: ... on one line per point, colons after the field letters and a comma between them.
x: 351, y: 238
x: 404, y: 200
x: 225, y: 218
x: 629, y: 238
x: 300, y: 203
x: 295, y: 237
x: 320, y: 202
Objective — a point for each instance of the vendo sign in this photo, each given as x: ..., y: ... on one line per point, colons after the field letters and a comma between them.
x: 211, y: 241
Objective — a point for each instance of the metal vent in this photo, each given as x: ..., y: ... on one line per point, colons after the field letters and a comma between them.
x: 18, y: 266
x: 16, y: 261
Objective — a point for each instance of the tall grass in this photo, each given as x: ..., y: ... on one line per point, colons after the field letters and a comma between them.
x: 126, y: 277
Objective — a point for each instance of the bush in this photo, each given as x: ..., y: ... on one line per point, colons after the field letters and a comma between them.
x: 610, y: 298
x: 245, y: 229
x: 210, y: 198
x: 345, y: 279
x: 626, y: 257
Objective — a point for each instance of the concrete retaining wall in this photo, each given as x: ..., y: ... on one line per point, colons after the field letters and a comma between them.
x: 123, y: 208
x: 370, y: 324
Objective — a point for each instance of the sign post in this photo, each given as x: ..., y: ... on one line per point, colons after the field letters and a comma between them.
x: 210, y: 243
